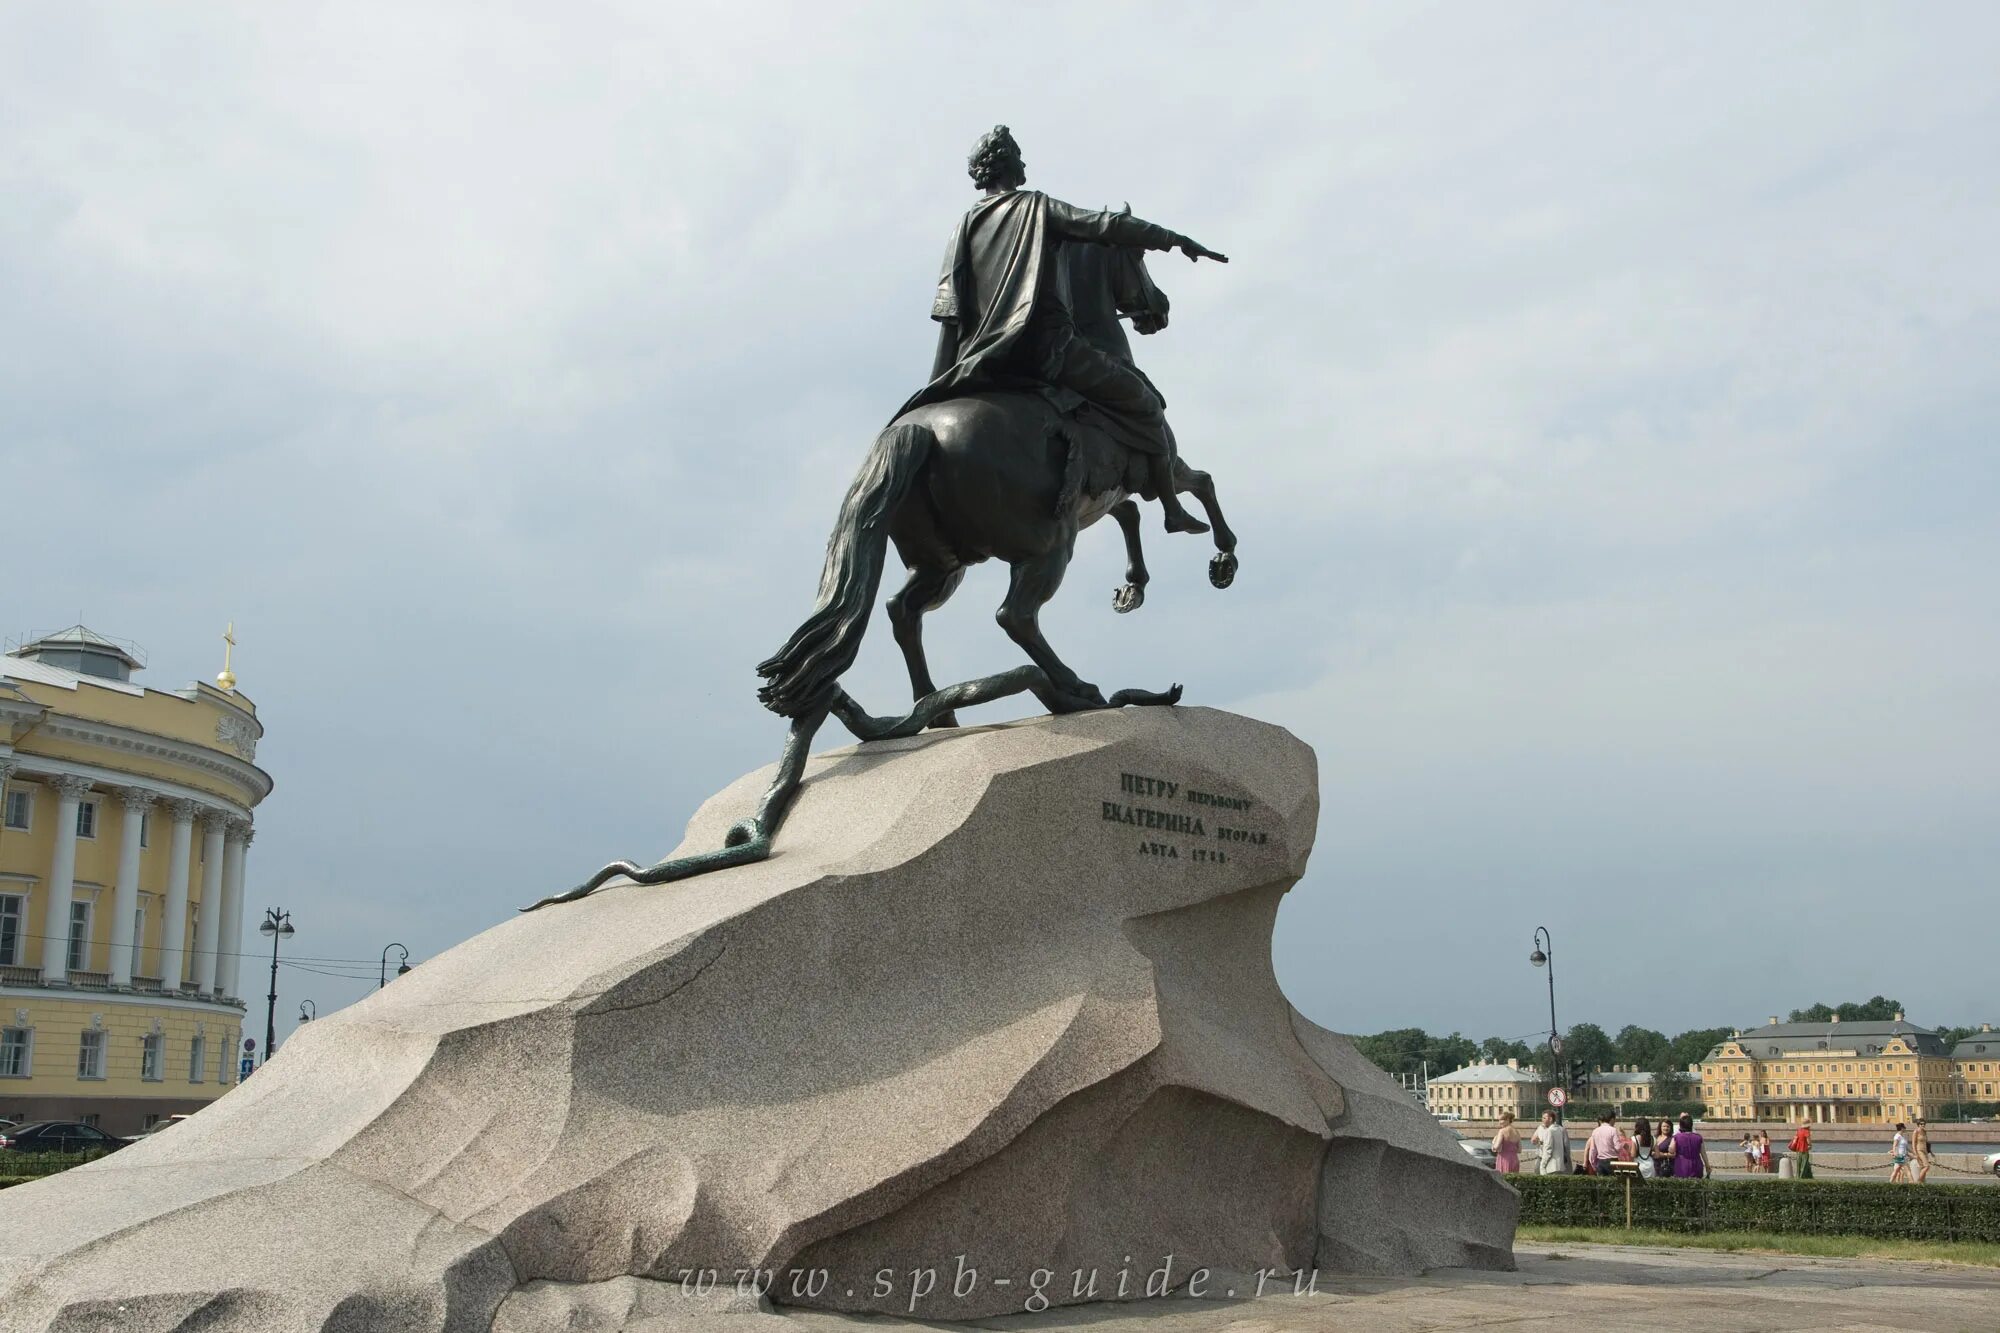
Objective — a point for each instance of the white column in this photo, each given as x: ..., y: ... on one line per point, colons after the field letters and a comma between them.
x: 173, y: 925
x: 125, y: 898
x: 62, y: 879
x: 229, y: 965
x: 208, y: 922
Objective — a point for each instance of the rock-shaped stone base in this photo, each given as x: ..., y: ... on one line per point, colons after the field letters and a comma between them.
x: 995, y: 1027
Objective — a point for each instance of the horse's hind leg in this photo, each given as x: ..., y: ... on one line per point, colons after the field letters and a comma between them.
x: 1221, y: 569
x: 926, y: 590
x: 1133, y: 595
x: 1033, y: 582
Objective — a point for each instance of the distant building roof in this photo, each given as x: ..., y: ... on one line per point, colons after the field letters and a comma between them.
x: 1981, y: 1045
x: 1489, y: 1073
x: 1862, y: 1036
x: 1620, y: 1076
x: 83, y: 650
x: 47, y: 673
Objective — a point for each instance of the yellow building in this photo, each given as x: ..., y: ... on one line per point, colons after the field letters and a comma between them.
x: 1975, y: 1067
x: 125, y: 817
x: 1483, y: 1089
x: 1857, y: 1072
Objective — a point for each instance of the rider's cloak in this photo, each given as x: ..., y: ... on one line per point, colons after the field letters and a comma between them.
x: 1000, y: 252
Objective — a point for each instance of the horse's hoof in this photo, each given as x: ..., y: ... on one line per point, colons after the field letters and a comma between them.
x: 1128, y: 598
x: 1222, y: 569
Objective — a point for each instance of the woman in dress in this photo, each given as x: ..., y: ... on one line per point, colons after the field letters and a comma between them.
x: 1507, y: 1146
x: 1690, y: 1155
x: 1642, y: 1146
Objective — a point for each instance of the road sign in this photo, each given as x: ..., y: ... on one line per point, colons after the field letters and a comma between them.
x: 1557, y: 1097
x: 249, y: 1043
x: 1556, y: 1045
x: 243, y: 1068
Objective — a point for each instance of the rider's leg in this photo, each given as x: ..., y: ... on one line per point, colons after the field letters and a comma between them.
x: 1178, y: 518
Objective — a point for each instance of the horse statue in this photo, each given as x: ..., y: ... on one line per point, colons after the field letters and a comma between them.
x: 998, y: 475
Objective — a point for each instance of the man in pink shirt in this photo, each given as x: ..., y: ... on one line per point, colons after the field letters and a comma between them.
x: 1602, y: 1150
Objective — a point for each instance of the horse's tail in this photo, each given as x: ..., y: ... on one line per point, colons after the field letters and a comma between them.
x: 801, y: 673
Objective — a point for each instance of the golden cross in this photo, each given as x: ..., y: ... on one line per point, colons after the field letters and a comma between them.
x: 229, y: 638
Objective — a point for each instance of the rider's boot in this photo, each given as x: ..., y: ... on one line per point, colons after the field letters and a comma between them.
x: 1178, y: 519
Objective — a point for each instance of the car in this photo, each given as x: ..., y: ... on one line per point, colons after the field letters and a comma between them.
x: 165, y: 1122
x: 1481, y: 1153
x: 58, y: 1136
x: 1993, y: 1162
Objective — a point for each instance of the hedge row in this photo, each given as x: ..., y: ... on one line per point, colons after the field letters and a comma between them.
x: 1799, y: 1207
x: 25, y: 1165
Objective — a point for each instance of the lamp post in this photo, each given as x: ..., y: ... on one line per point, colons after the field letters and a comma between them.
x: 401, y: 967
x: 1958, y: 1096
x: 1545, y: 956
x: 278, y: 925
x: 308, y: 1011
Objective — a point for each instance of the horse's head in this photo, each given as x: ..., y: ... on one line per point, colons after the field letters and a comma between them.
x: 1107, y: 283
x: 1133, y: 290
x: 1138, y: 296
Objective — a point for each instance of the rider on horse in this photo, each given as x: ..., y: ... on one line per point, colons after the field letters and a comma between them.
x: 1005, y: 318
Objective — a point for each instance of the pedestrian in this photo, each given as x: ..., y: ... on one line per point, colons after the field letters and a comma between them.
x: 1899, y: 1155
x: 1764, y: 1151
x: 1690, y: 1155
x: 1802, y: 1152
x: 1920, y: 1143
x: 1748, y: 1147
x: 1642, y: 1146
x: 1553, y: 1142
x: 1507, y: 1146
x: 1602, y: 1149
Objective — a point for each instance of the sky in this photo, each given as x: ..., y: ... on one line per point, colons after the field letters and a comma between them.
x: 1605, y: 398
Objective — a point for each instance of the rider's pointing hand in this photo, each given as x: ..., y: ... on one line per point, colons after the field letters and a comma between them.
x: 1194, y: 250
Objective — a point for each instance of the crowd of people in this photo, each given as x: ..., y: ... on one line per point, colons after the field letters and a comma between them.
x: 1675, y: 1149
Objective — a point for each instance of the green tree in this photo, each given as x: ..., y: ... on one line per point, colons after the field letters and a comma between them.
x: 1875, y: 1009
x: 1670, y: 1083
x: 1448, y: 1053
x: 1587, y: 1042
x: 1397, y: 1051
x: 1952, y: 1036
x: 1501, y: 1049
x: 1642, y: 1048
x: 1692, y: 1047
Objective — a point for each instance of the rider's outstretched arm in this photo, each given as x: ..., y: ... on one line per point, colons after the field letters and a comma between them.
x: 1079, y: 224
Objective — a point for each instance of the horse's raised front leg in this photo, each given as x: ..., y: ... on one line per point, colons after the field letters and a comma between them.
x: 926, y: 590
x: 1032, y: 583
x: 1221, y: 569
x: 1133, y: 595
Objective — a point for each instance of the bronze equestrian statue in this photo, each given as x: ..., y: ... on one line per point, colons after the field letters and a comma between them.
x: 1035, y: 424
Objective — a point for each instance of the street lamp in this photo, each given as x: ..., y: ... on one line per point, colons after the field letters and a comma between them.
x: 1545, y: 956
x: 1958, y: 1095
x: 401, y: 967
x: 278, y: 925
x: 304, y: 1006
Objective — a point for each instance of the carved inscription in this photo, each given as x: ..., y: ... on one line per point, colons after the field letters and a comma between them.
x: 1194, y: 820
